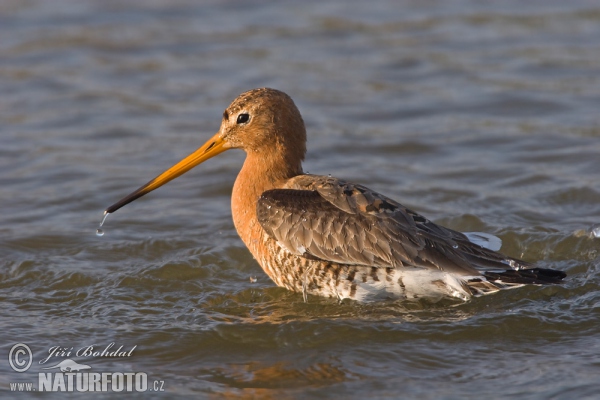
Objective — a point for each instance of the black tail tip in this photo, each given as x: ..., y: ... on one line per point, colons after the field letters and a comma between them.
x: 535, y: 276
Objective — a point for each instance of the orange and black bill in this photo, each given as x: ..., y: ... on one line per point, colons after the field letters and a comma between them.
x: 211, y: 148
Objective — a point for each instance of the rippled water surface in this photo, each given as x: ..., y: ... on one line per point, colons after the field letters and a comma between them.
x: 481, y: 115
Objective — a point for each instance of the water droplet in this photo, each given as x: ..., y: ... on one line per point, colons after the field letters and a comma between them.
x: 269, y: 207
x: 104, y: 218
x: 100, y: 232
x: 455, y: 246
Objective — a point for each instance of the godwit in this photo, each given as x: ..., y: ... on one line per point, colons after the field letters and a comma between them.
x: 324, y: 236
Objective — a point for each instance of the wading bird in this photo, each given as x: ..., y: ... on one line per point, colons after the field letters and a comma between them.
x: 324, y: 236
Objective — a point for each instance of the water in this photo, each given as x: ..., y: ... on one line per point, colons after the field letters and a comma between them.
x: 100, y: 231
x: 482, y: 116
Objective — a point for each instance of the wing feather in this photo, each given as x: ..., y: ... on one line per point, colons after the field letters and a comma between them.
x: 329, y: 219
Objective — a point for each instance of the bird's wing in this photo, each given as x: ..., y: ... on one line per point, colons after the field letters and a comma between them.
x: 329, y: 219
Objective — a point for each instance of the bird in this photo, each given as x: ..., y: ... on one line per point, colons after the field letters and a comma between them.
x: 324, y: 236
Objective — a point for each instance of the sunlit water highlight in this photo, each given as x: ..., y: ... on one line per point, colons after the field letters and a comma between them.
x: 482, y: 116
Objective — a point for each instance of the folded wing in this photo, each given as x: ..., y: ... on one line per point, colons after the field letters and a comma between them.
x: 328, y: 219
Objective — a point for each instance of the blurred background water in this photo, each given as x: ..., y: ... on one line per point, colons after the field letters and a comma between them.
x: 481, y: 115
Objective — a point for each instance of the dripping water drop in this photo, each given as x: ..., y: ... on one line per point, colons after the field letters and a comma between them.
x: 100, y: 231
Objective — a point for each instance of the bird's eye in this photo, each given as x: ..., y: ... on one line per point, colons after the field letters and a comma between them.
x: 242, y: 118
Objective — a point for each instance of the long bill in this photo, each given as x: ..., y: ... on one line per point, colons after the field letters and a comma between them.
x: 211, y: 148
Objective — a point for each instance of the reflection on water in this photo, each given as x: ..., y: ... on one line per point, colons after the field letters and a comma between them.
x: 482, y: 116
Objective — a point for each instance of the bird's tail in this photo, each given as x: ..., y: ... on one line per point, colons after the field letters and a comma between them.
x: 493, y: 281
x: 528, y: 276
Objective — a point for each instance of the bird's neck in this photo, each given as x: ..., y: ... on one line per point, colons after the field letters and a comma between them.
x: 259, y: 173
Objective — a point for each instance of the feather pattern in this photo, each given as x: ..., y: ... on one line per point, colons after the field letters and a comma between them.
x: 328, y: 237
x: 332, y: 220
